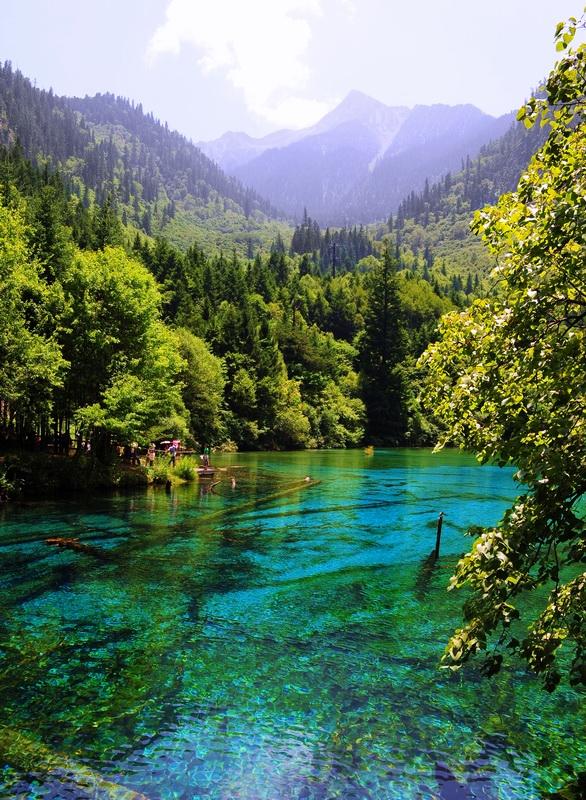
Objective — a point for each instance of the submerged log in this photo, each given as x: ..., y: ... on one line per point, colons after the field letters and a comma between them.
x: 64, y: 541
x: 251, y: 505
x: 29, y: 756
x: 71, y: 543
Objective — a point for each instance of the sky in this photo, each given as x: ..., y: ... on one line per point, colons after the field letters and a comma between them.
x: 262, y: 65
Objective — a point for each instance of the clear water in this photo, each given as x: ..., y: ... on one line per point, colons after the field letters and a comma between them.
x: 277, y: 639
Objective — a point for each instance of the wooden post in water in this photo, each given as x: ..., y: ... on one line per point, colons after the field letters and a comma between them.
x: 438, y: 537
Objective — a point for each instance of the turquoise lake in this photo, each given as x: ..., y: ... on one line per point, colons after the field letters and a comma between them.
x: 274, y: 640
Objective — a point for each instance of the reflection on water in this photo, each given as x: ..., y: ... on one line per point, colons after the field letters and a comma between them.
x: 270, y: 640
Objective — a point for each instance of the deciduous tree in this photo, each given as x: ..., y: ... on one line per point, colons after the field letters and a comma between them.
x: 508, y: 381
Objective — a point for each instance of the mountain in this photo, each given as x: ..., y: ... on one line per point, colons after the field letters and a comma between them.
x: 433, y: 140
x: 382, y: 121
x: 431, y: 229
x: 334, y: 155
x: 315, y: 172
x: 233, y: 150
x: 107, y: 147
x: 328, y: 159
x: 359, y: 161
x: 354, y: 166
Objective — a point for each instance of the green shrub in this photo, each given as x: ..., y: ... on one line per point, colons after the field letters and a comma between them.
x: 160, y: 471
x: 186, y: 468
x: 8, y: 486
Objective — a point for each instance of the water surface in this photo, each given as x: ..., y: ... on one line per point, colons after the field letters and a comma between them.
x: 274, y: 640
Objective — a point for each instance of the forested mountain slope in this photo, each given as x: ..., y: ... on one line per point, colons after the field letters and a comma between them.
x: 160, y: 182
x: 430, y: 232
x: 433, y: 141
x: 431, y: 229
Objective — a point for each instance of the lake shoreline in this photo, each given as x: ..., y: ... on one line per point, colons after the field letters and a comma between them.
x: 41, y: 475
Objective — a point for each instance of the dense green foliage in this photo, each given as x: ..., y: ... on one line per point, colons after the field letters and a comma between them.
x: 335, y: 251
x: 310, y: 344
x: 120, y: 343
x: 508, y: 380
x: 30, y: 360
x: 84, y: 343
x: 289, y: 343
x: 382, y: 349
x: 123, y: 360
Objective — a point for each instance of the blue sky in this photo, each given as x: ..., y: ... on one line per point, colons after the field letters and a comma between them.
x: 260, y: 65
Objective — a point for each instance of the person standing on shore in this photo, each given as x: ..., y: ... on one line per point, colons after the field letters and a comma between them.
x: 135, y: 454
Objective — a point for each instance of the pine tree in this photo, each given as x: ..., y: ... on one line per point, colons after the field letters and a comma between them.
x: 382, y: 348
x: 107, y: 225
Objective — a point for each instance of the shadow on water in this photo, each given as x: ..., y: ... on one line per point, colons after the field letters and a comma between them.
x: 57, y: 578
x: 476, y: 777
x: 475, y: 785
x: 574, y: 790
x: 425, y: 573
x: 433, y: 573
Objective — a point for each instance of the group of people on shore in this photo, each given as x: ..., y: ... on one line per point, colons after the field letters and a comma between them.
x: 172, y: 451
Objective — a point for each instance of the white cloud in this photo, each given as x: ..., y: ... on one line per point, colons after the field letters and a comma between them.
x: 298, y: 112
x: 260, y: 46
x: 350, y: 8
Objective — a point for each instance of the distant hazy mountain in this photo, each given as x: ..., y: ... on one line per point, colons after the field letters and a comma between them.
x: 383, y: 122
x: 315, y: 172
x: 360, y: 160
x: 433, y: 140
x: 234, y: 150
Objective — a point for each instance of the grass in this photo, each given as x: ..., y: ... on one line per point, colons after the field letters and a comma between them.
x: 186, y: 468
x: 184, y: 471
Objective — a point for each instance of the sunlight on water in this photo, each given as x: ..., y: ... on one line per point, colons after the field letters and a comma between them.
x: 277, y: 639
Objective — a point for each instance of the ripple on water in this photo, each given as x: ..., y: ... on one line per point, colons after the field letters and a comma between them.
x: 284, y: 651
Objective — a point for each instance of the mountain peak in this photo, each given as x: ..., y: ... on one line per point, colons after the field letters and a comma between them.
x: 355, y: 106
x: 357, y: 99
